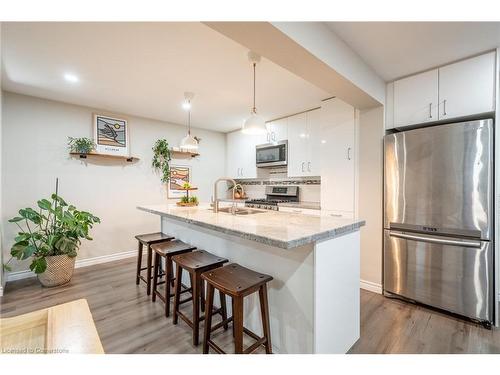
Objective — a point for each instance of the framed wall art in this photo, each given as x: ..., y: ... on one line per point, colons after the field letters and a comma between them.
x: 179, y: 175
x: 111, y: 135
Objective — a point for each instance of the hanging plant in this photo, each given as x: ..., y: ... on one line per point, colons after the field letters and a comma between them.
x: 81, y: 145
x: 161, y: 159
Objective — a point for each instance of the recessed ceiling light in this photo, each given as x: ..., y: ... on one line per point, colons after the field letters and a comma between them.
x: 70, y: 77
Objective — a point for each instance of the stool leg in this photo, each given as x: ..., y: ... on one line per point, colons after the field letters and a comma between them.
x: 148, y: 282
x: 232, y: 308
x: 139, y: 263
x: 238, y: 325
x: 202, y: 294
x: 222, y: 297
x: 168, y: 287
x: 264, y: 311
x: 177, y: 295
x: 196, y: 308
x: 208, y: 317
x: 155, y: 275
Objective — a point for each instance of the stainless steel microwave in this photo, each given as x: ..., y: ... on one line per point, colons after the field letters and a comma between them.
x: 271, y: 155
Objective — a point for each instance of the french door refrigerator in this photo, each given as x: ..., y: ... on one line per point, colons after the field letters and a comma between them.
x: 438, y: 217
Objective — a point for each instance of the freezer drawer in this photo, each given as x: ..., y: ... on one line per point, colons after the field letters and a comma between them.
x: 440, y: 179
x: 451, y: 274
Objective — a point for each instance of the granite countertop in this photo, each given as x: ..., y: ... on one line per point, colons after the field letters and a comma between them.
x: 308, y: 205
x: 280, y: 229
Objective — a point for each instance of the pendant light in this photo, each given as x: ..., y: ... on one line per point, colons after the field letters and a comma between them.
x: 254, y: 124
x: 188, y: 142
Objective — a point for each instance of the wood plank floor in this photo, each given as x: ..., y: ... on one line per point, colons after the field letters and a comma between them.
x: 128, y: 322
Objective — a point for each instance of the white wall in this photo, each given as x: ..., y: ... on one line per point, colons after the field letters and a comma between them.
x: 1, y: 183
x: 371, y: 132
x: 34, y: 153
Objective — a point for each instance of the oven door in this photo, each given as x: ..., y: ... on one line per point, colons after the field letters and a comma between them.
x: 271, y: 155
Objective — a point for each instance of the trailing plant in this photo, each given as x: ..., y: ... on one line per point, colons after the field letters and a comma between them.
x: 81, y: 145
x: 56, y: 228
x: 161, y: 159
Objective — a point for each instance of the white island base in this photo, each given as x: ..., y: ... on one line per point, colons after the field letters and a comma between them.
x: 314, y: 297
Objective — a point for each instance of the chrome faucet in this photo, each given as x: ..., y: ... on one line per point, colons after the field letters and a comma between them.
x: 216, y: 199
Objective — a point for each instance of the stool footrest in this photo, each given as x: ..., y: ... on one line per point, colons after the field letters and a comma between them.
x: 221, y: 324
x: 215, y: 347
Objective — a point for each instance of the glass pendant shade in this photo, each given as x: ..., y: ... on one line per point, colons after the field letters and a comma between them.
x: 254, y: 125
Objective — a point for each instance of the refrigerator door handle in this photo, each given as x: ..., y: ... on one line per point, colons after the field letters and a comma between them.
x: 440, y: 241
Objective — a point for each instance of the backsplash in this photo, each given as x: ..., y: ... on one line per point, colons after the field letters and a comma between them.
x: 309, y: 187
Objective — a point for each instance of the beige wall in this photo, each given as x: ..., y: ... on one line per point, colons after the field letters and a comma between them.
x: 370, y: 192
x: 35, y: 133
x: 1, y: 182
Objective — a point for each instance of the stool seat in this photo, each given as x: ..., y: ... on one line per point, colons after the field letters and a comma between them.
x: 152, y: 238
x: 196, y: 261
x: 236, y: 280
x: 171, y: 247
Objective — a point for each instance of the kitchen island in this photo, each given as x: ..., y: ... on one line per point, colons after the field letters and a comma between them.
x: 314, y: 260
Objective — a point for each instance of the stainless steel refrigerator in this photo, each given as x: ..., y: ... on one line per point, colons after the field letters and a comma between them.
x: 438, y: 217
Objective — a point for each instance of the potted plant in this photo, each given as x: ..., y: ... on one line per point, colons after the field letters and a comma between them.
x: 161, y: 159
x: 51, y: 236
x: 81, y: 145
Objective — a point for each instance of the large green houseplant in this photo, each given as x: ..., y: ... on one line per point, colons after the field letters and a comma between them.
x: 51, y: 236
x: 161, y: 159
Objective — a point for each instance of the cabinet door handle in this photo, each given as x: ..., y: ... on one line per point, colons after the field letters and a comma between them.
x: 309, y: 166
x: 303, y: 166
x: 241, y: 172
x: 348, y: 153
x: 430, y: 110
x: 268, y: 137
x: 336, y: 215
x: 274, y: 136
x: 444, y: 107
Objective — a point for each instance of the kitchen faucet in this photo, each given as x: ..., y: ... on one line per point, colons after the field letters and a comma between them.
x: 216, y: 199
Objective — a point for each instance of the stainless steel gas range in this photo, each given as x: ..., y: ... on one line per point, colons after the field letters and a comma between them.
x: 274, y: 196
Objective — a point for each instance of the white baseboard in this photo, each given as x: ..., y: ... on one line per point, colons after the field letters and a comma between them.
x: 370, y: 286
x: 13, y: 276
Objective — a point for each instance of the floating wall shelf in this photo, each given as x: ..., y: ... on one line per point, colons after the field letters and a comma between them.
x: 178, y: 153
x: 104, y: 156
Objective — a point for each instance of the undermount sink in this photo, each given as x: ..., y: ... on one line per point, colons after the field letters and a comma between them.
x: 239, y: 211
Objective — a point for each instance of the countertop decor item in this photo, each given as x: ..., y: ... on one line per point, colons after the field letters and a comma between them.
x: 111, y: 135
x: 188, y: 143
x: 63, y: 329
x: 81, y: 145
x: 254, y: 124
x: 186, y: 200
x: 161, y: 159
x: 51, y: 236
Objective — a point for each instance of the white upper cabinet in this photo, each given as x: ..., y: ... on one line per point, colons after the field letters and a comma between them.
x: 277, y: 130
x: 240, y: 158
x: 416, y: 99
x: 467, y: 87
x: 297, y: 145
x: 303, y: 144
x: 461, y: 89
x: 314, y: 142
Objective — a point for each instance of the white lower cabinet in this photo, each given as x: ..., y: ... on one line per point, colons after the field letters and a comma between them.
x: 304, y: 211
x: 338, y: 156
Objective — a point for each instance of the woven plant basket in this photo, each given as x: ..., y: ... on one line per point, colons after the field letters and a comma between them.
x: 59, y: 270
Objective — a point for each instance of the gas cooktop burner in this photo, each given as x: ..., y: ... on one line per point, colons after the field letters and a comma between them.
x: 274, y: 196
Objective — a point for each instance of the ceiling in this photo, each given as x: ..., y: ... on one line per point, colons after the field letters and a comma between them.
x: 397, y: 49
x: 143, y: 69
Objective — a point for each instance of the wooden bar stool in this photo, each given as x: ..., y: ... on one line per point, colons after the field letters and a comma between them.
x: 238, y: 282
x: 167, y: 250
x: 196, y: 263
x: 148, y: 240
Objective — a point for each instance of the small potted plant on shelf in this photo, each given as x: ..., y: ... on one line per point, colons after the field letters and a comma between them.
x: 82, y: 146
x: 51, y: 236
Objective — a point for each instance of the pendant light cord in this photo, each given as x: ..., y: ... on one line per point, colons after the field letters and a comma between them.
x: 189, y: 120
x: 254, y: 110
